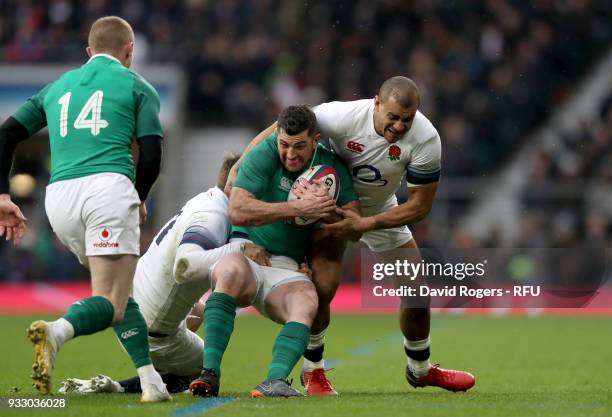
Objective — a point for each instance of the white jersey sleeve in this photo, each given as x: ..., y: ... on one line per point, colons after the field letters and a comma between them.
x: 424, y: 166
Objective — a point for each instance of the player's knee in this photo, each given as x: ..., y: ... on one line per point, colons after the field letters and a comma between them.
x: 326, y: 292
x: 303, y: 305
x: 233, y: 276
x: 326, y: 278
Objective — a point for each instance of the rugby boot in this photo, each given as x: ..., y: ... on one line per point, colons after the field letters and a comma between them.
x: 444, y: 378
x: 316, y: 383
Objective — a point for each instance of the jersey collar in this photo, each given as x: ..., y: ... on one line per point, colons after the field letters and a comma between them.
x: 105, y: 56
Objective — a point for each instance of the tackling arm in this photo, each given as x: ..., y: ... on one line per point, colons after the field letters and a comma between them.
x: 413, y: 210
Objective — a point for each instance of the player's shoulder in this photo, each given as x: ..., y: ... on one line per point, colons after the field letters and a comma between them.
x: 344, y: 109
x: 344, y: 117
x: 141, y: 85
x: 67, y: 77
x: 422, y: 129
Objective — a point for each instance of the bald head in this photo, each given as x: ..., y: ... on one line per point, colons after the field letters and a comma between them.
x: 401, y: 89
x: 111, y: 35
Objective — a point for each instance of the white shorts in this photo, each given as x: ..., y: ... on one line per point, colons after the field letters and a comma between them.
x: 385, y: 239
x: 95, y: 215
x: 283, y: 271
x: 179, y: 354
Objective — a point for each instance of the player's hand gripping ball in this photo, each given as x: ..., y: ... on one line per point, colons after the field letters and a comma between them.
x: 327, y: 175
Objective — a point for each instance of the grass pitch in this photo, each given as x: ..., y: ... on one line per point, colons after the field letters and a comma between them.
x: 546, y: 366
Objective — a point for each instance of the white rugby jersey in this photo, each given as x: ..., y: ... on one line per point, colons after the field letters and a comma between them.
x: 163, y: 302
x: 377, y: 166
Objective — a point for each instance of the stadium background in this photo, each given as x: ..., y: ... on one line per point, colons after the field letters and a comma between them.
x: 520, y: 92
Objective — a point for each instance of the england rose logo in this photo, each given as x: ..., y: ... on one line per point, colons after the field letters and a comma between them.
x: 394, y: 153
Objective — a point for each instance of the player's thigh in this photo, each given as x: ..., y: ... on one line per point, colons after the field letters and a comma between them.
x: 233, y: 275
x: 111, y: 216
x: 64, y: 201
x: 179, y: 354
x: 325, y: 260
x: 292, y: 301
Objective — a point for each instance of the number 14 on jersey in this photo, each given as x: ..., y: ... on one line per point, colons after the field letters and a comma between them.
x: 90, y: 116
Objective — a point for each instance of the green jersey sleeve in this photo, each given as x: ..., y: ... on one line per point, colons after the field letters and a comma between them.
x: 258, y: 166
x: 346, y: 193
x: 32, y: 113
x: 147, y: 108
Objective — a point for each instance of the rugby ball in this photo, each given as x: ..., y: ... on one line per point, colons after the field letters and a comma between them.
x: 328, y: 175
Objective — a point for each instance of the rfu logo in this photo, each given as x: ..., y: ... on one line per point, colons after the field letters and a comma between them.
x: 355, y: 147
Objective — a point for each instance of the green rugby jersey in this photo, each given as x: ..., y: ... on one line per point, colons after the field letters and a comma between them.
x: 94, y: 113
x: 262, y: 174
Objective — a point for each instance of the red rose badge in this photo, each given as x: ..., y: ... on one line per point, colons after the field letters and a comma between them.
x: 394, y: 153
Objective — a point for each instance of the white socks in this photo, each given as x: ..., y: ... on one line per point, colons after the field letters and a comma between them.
x: 61, y: 330
x: 316, y: 341
x: 149, y: 376
x: 416, y: 348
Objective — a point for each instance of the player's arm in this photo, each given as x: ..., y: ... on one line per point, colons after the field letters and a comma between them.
x: 247, y: 210
x: 413, y: 210
x: 148, y: 167
x: 149, y: 137
x: 24, y: 123
x: 12, y: 220
x: 198, y: 251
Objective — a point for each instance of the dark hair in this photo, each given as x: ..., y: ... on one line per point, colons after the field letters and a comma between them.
x: 296, y: 119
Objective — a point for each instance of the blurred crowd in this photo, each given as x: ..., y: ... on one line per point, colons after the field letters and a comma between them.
x: 489, y: 73
x: 568, y: 198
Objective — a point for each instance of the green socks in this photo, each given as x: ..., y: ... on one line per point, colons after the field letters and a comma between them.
x: 133, y: 334
x: 90, y: 315
x: 219, y: 315
x: 288, y: 348
x: 95, y: 314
